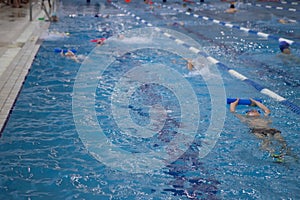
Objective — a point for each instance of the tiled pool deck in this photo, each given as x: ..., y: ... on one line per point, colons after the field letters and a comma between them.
x: 18, y: 47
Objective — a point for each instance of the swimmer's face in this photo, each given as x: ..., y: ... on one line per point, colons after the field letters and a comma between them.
x: 286, y: 51
x: 253, y: 113
x: 69, y: 54
x: 282, y: 21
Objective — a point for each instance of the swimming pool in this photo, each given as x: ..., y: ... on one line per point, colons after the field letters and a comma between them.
x: 129, y: 121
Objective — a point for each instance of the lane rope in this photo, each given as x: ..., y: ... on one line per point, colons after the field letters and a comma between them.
x: 292, y: 3
x: 293, y: 107
x: 247, y: 30
x: 273, y: 7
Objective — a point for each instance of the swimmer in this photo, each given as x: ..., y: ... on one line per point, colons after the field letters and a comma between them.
x: 58, y: 34
x: 259, y: 125
x: 232, y: 8
x: 190, y: 65
x: 286, y: 21
x: 189, y: 1
x: 103, y: 16
x: 189, y: 10
x: 177, y: 24
x: 269, y: 0
x: 100, y: 41
x: 283, y: 21
x: 69, y: 54
x: 54, y: 17
x: 121, y: 36
x: 284, y: 47
x: 286, y: 54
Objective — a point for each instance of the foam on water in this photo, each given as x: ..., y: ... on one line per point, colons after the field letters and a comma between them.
x: 134, y: 40
x: 54, y: 35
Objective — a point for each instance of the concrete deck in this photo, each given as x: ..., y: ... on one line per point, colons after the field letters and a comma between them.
x: 18, y: 47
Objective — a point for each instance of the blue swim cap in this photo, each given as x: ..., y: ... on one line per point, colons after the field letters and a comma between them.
x: 283, y: 45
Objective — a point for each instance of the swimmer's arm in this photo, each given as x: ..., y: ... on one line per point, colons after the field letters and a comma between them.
x: 190, y: 65
x: 233, y: 105
x: 74, y: 57
x: 262, y: 106
x: 70, y: 53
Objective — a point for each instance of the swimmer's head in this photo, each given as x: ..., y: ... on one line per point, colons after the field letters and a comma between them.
x: 284, y: 47
x: 253, y: 113
x: 54, y: 17
x: 282, y: 21
x: 232, y: 5
x: 121, y: 36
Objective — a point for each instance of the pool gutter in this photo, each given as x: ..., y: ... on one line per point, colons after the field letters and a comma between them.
x: 17, y: 59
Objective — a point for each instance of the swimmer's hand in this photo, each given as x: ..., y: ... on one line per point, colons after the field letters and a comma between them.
x: 260, y: 105
x: 233, y: 105
x: 253, y: 102
x: 190, y: 65
x: 236, y: 101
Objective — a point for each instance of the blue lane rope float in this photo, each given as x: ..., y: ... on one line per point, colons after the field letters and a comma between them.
x: 292, y: 3
x: 273, y: 7
x: 281, y: 2
x: 261, y: 89
x: 287, y: 78
x: 242, y: 101
x: 258, y: 33
x: 88, y: 15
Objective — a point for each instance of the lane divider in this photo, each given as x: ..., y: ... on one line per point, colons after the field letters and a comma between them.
x: 293, y: 107
x: 292, y: 3
x: 258, y: 33
x: 268, y: 6
x: 273, y: 7
x: 285, y: 77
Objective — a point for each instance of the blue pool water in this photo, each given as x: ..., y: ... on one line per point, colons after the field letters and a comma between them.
x: 129, y: 121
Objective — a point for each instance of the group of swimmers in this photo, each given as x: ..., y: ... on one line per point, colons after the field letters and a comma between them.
x: 70, y: 54
x: 283, y: 46
x: 232, y: 9
x: 258, y: 122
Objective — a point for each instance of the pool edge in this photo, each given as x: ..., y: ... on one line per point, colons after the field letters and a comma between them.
x: 15, y: 73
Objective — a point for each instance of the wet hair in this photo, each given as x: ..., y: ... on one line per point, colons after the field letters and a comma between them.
x: 283, y: 45
x: 232, y: 5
